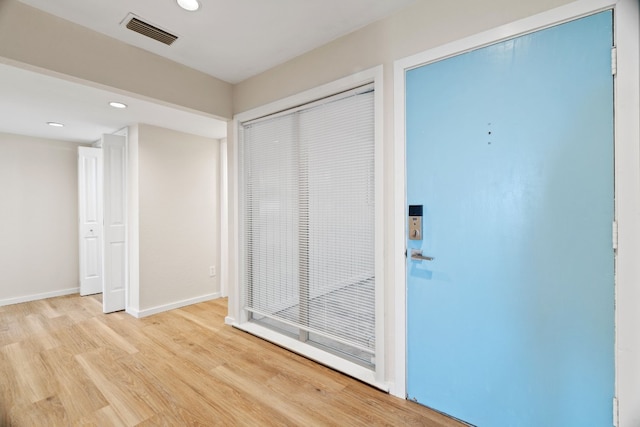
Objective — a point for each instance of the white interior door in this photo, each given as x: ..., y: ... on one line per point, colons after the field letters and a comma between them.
x: 90, y: 213
x: 115, y: 223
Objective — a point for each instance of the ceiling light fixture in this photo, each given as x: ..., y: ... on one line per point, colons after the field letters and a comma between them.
x: 190, y: 5
x: 55, y: 124
x: 117, y: 104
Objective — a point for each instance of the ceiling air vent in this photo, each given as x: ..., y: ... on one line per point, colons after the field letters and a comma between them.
x: 139, y: 26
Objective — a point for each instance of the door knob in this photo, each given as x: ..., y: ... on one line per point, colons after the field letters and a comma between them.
x: 416, y: 254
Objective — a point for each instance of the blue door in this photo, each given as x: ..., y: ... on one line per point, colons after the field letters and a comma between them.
x: 510, y: 153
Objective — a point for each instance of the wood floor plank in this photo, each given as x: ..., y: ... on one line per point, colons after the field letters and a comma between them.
x: 129, y: 398
x: 317, y: 400
x: 75, y: 339
x: 178, y: 344
x: 199, y: 320
x: 103, y: 417
x: 46, y: 309
x: 287, y: 408
x: 8, y: 389
x: 46, y: 412
x: 70, y: 377
x: 178, y: 417
x: 65, y: 363
x: 211, y: 314
x: 185, y: 392
x: 104, y: 336
x: 26, y: 370
x: 11, y: 330
x: 188, y: 384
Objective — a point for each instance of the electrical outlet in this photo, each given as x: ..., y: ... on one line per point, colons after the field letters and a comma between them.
x: 212, y: 271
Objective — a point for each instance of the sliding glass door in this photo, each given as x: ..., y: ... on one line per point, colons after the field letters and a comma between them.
x: 308, y: 203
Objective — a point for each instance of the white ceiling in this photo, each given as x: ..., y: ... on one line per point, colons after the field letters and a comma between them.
x: 29, y: 100
x: 228, y: 39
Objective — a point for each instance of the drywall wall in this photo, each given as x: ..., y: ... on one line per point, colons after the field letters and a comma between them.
x: 62, y: 47
x: 419, y: 27
x: 38, y: 218
x: 177, y: 182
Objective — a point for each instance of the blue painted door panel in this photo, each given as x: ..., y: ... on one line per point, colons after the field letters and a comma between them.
x: 510, y: 150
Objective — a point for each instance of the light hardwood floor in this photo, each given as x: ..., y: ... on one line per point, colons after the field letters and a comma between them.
x: 64, y: 363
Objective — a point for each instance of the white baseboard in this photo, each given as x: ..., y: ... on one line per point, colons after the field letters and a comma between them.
x: 228, y: 320
x: 166, y: 307
x: 35, y: 297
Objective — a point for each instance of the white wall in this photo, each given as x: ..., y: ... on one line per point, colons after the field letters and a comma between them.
x: 38, y: 218
x: 177, y: 184
x: 421, y: 26
x: 174, y: 192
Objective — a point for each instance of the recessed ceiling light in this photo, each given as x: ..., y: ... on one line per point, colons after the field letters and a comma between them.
x: 118, y: 104
x: 55, y: 124
x: 190, y: 5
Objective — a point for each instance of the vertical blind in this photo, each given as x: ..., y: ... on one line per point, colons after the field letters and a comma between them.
x: 308, y: 235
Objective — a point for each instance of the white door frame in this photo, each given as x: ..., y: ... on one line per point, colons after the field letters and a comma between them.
x: 224, y: 219
x: 237, y: 315
x: 627, y: 178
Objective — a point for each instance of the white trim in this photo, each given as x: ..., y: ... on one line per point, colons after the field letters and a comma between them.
x: 224, y: 219
x: 132, y: 299
x: 530, y: 24
x: 172, y: 306
x: 35, y: 297
x: 627, y: 157
x: 627, y: 176
x: 127, y: 198
x: 237, y: 315
x: 319, y: 92
x: 379, y: 238
x: 399, y: 386
x: 235, y: 296
x: 361, y: 88
x: 335, y: 362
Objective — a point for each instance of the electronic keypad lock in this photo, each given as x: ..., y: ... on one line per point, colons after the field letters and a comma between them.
x: 415, y: 222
